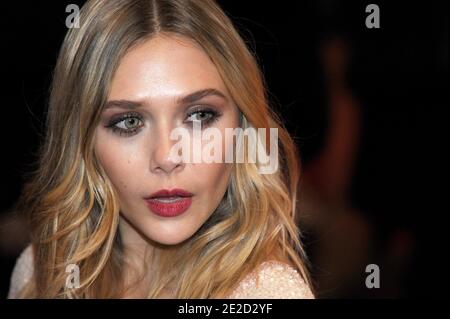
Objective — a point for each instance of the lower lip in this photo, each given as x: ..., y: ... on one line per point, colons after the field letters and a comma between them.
x: 172, y: 209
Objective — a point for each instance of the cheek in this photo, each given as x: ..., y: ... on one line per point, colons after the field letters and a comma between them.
x: 120, y: 164
x: 214, y: 175
x: 214, y: 178
x: 224, y: 140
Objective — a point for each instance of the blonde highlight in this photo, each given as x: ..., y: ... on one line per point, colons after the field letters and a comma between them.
x: 72, y: 206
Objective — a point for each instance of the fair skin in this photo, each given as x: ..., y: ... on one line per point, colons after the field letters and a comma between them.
x: 156, y: 74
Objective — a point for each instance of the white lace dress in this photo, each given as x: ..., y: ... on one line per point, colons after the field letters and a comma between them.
x: 271, y: 280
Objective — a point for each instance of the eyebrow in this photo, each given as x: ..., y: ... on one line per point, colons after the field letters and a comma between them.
x: 190, y: 98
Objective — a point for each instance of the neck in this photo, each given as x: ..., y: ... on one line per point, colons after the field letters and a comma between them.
x: 137, y: 251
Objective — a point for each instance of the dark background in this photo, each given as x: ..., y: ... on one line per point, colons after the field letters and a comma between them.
x: 391, y: 99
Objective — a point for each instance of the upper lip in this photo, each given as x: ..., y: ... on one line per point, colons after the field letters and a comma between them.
x: 170, y: 193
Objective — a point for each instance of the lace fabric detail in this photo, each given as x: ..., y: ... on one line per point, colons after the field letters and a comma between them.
x: 272, y: 280
x: 22, y: 272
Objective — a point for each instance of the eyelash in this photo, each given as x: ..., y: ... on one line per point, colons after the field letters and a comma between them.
x: 122, y: 132
x: 214, y: 116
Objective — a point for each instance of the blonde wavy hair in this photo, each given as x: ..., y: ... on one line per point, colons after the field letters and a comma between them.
x: 72, y: 207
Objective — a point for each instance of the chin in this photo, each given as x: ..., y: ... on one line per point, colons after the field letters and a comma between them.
x: 171, y: 238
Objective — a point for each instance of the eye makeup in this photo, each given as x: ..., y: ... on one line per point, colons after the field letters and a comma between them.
x: 203, y: 111
x: 125, y: 119
x: 130, y: 123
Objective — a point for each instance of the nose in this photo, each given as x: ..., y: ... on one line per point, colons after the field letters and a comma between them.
x: 162, y: 160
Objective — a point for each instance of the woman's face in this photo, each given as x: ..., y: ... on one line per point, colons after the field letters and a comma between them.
x: 151, y: 94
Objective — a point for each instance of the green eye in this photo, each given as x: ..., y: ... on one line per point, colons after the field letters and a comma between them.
x: 129, y: 123
x: 201, y: 116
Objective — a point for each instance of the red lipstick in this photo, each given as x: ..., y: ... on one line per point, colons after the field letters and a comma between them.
x: 169, y: 203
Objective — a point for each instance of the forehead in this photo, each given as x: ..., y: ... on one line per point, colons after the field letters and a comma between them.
x: 164, y: 66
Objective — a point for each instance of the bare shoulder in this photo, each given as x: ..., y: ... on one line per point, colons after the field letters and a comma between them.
x: 22, y: 272
x: 273, y: 280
